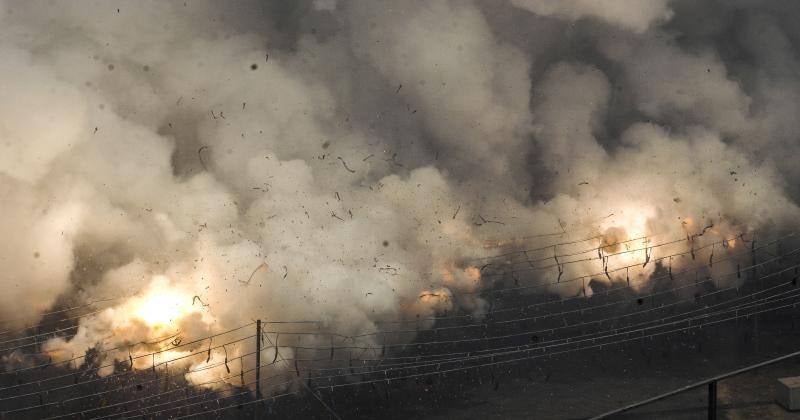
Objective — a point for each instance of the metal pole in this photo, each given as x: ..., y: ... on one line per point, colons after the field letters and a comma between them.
x: 712, y: 400
x: 755, y: 277
x: 258, y: 359
x: 696, y: 385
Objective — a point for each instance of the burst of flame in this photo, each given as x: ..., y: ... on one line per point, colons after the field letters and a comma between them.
x: 468, y: 278
x: 630, y: 223
x: 162, y: 306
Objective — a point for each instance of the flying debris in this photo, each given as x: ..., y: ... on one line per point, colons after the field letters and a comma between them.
x: 555, y: 195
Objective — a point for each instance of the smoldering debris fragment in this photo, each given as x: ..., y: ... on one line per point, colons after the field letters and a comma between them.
x: 275, y: 358
x: 647, y: 253
x: 669, y: 270
x: 703, y: 232
x: 711, y: 257
x: 345, y: 165
x: 200, y: 156
x: 197, y: 299
x: 558, y: 264
x: 485, y: 221
x: 393, y: 160
x: 262, y: 266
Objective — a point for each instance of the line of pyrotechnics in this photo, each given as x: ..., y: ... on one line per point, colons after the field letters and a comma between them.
x: 529, y: 306
x: 583, y: 277
x: 504, y: 273
x: 104, y: 300
x: 385, y: 369
x: 689, y: 251
x: 527, y: 349
x: 624, y: 286
x: 594, y: 321
x: 381, y: 333
x: 182, y: 344
x: 70, y: 328
x: 638, y: 298
x: 583, y: 324
x: 660, y: 320
x: 525, y: 252
x: 589, y: 226
x: 457, y: 341
x: 474, y: 354
x: 132, y: 345
x: 564, y: 340
x: 593, y: 250
x: 388, y: 379
x: 177, y: 373
x: 92, y: 303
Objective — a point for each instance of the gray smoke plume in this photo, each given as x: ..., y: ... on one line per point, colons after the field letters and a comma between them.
x: 347, y: 161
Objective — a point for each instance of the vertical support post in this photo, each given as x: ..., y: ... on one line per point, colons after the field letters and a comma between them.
x: 258, y: 359
x: 755, y: 277
x: 712, y: 400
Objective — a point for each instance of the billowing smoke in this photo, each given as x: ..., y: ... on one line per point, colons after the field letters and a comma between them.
x: 209, y: 164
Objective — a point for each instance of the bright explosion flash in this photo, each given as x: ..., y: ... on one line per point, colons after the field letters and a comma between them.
x: 162, y: 306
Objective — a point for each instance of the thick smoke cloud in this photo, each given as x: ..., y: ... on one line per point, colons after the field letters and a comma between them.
x: 629, y: 14
x: 346, y: 162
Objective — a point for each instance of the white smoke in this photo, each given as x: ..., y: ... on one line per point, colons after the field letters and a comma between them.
x: 221, y: 165
x: 634, y: 15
